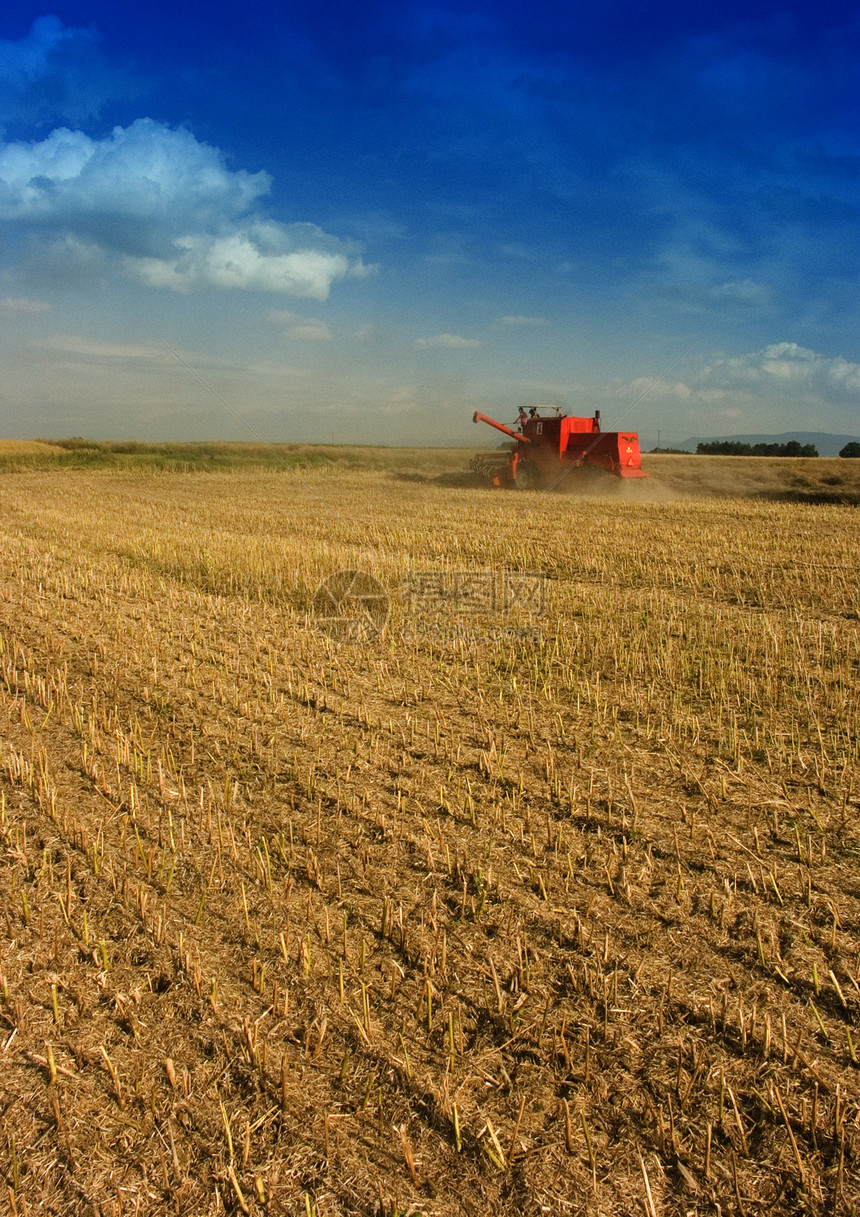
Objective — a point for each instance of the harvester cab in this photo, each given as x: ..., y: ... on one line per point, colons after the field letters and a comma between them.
x: 551, y: 446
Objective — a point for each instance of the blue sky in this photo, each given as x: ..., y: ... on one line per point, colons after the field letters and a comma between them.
x: 339, y: 222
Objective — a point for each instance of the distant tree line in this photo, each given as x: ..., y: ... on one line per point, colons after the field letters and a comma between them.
x: 852, y: 449
x: 727, y: 447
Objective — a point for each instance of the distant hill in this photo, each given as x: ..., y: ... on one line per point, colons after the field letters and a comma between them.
x: 827, y: 445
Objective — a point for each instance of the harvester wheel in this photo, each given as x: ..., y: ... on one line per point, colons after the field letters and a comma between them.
x: 527, y: 476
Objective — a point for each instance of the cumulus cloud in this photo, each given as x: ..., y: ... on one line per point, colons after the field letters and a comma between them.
x: 142, y: 186
x: 787, y: 367
x: 453, y: 342
x: 168, y: 209
x: 781, y: 385
x: 266, y: 257
x: 55, y: 73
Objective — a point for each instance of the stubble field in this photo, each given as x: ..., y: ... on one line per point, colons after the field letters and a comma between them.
x: 545, y: 900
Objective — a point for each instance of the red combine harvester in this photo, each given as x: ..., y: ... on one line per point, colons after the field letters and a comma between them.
x: 556, y: 447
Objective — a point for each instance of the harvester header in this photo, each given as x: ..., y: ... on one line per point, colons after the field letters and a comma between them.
x: 550, y: 447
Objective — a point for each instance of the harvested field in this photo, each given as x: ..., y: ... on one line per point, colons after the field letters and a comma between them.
x: 817, y: 480
x: 24, y: 453
x: 545, y: 900
x: 780, y: 479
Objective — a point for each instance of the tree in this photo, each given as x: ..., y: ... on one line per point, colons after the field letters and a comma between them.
x: 852, y: 449
x: 726, y: 447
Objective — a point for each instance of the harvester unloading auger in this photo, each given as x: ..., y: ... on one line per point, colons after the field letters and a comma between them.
x: 555, y: 448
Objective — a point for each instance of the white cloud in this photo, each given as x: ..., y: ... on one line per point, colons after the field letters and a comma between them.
x: 787, y: 368
x: 677, y: 389
x: 302, y: 329
x: 45, y: 261
x: 367, y: 332
x: 742, y: 291
x: 782, y: 386
x: 266, y: 257
x: 454, y: 342
x: 698, y: 296
x: 169, y: 209
x: 512, y: 322
x: 398, y: 400
x: 86, y: 348
x: 11, y: 305
x: 141, y: 184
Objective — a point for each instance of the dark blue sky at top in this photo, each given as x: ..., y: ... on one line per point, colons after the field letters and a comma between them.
x: 609, y: 185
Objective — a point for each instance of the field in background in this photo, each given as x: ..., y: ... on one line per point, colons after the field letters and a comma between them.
x: 822, y: 480
x: 207, y: 457
x: 19, y: 453
x: 527, y: 905
x: 778, y: 479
